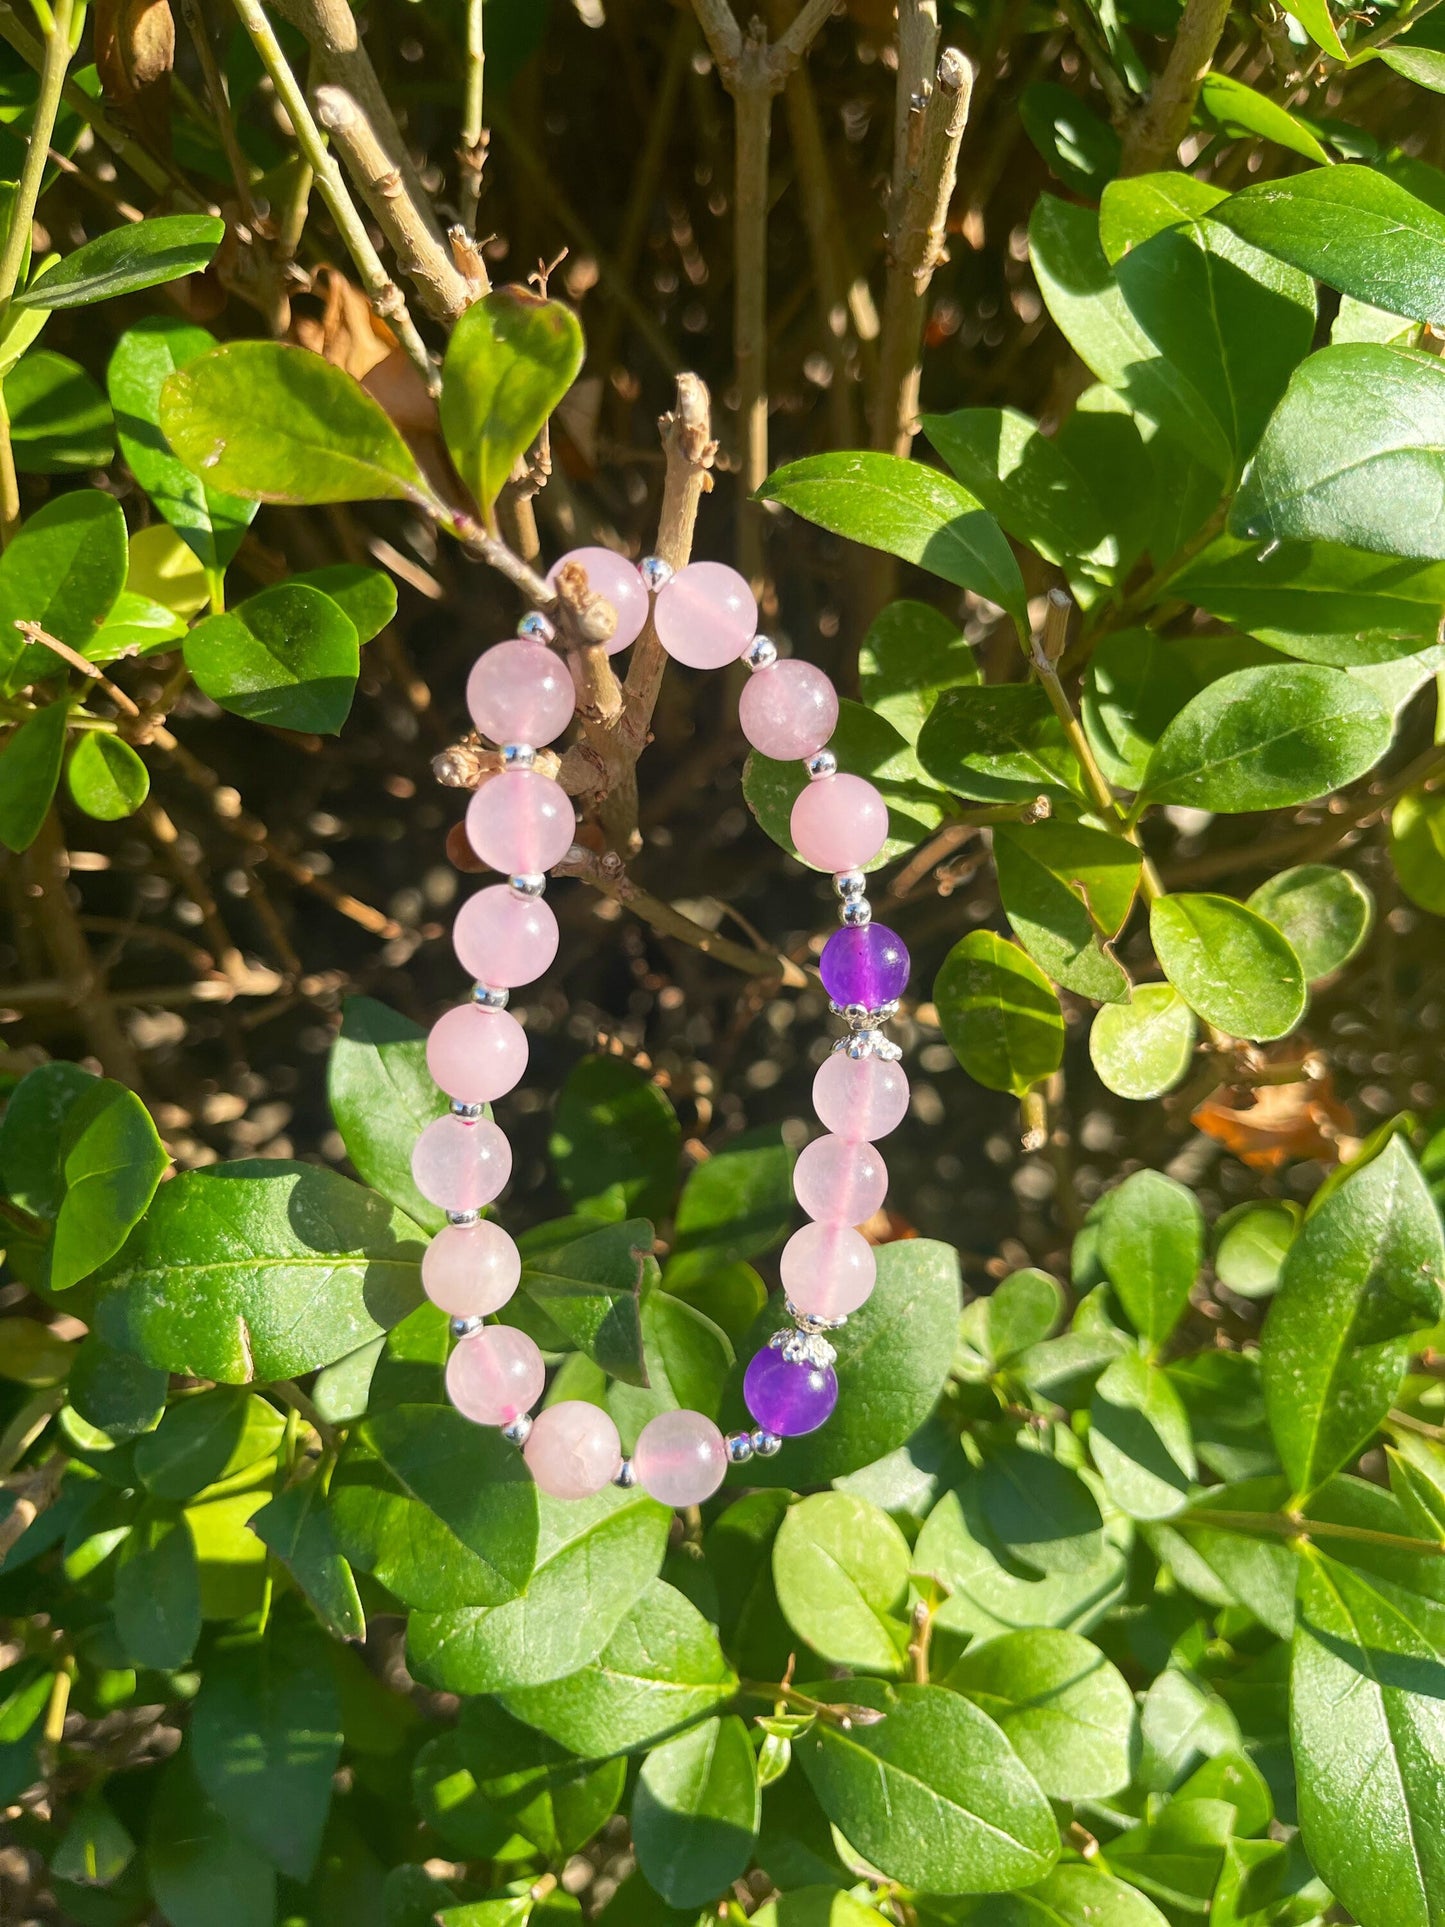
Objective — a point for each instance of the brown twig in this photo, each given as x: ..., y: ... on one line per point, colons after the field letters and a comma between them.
x: 1152, y: 136
x: 49, y: 875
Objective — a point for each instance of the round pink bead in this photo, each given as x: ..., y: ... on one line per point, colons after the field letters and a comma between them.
x: 788, y: 711
x: 838, y: 1182
x: 475, y: 1055
x: 860, y: 1099
x: 573, y: 1450
x: 706, y: 616
x: 504, y: 940
x: 469, y: 1270
x: 680, y: 1458
x: 521, y: 692
x: 838, y: 823
x: 828, y: 1269
x: 521, y: 823
x: 495, y: 1376
x: 461, y: 1163
x: 613, y: 576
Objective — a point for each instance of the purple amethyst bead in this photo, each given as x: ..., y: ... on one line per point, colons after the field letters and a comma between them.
x: 867, y: 966
x: 789, y: 1399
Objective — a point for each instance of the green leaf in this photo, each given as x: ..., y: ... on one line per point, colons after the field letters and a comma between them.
x: 1143, y: 1048
x: 119, y: 1395
x: 367, y: 596
x: 933, y: 1794
x: 64, y: 570
x: 1071, y: 1896
x: 1081, y: 148
x: 910, y: 655
x: 1140, y: 1441
x: 1179, y: 1856
x: 1138, y: 682
x: 201, y: 1873
x: 29, y: 772
x: 511, y: 358
x: 1363, y: 1275
x: 532, y: 1784
x: 266, y: 1737
x: 736, y: 1204
x: 1325, y: 914
x: 1065, y: 1710
x: 1264, y: 739
x: 1041, y: 1510
x: 1315, y: 17
x: 142, y: 255
x: 157, y: 1599
x: 1353, y: 227
x: 1229, y: 964
x: 594, y: 1558
x: 906, y: 510
x: 31, y: 1354
x: 840, y: 1567
x: 1252, y: 1242
x: 279, y: 424
x: 444, y: 1515
x: 696, y: 1811
x: 258, y: 1270
x: 615, y: 1141
x: 59, y: 420
x: 1240, y: 110
x: 1151, y: 1244
x: 662, y: 1668
x: 288, y: 657
x: 1026, y: 480
x: 1066, y: 888
x: 382, y: 1098
x: 297, y: 1527
x: 997, y: 743
x: 1140, y: 206
x: 1021, y: 1311
x: 106, y: 777
x: 815, y: 1907
x: 211, y: 524
x: 136, y: 626
x: 999, y: 1013
x: 1352, y: 455
x: 1417, y: 846
x: 30, y: 1135
x: 687, y: 1358
x: 589, y: 1291
x: 206, y: 1438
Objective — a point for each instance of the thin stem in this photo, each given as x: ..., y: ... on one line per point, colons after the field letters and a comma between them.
x: 32, y: 172
x: 1289, y: 1525
x: 473, y: 133
x: 216, y: 589
x: 9, y: 480
x: 1153, y: 137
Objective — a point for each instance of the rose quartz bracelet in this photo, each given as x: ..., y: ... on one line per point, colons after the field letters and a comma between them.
x: 521, y: 823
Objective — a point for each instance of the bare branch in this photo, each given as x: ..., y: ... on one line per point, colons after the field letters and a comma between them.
x: 1152, y: 138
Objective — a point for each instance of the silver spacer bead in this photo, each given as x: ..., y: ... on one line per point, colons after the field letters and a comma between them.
x: 856, y: 913
x: 740, y: 1447
x: 655, y: 573
x: 536, y: 627
x: 626, y: 1475
x: 824, y: 763
x: 466, y: 1327
x: 813, y: 1321
x: 519, y: 1431
x: 464, y: 1217
x: 468, y: 1113
x: 849, y: 885
x: 529, y: 884
x: 518, y: 756
x: 803, y: 1348
x: 761, y: 653
x: 489, y: 998
x: 767, y: 1445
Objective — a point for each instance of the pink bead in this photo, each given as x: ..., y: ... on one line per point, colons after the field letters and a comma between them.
x: 840, y: 1183
x: 838, y: 823
x: 828, y: 1269
x: 494, y: 1377
x: 476, y: 1055
x: 706, y: 616
x: 680, y: 1458
x: 788, y: 711
x: 573, y: 1450
x: 860, y: 1099
x: 613, y: 576
x: 521, y: 692
x: 461, y: 1163
x: 521, y: 822
x: 470, y: 1270
x: 504, y: 940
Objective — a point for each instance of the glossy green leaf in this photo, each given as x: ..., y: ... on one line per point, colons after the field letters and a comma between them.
x: 1065, y: 1710
x: 278, y: 424
x: 30, y: 1135
x: 1140, y: 1441
x: 687, y: 1358
x: 1021, y: 1311
x: 259, y: 1270
x: 531, y: 1784
x: 1081, y: 148
x: 1071, y: 1896
x: 736, y: 1204
x: 366, y: 596
x: 1143, y: 1048
x: 64, y: 570
x: 910, y: 655
x: 1417, y: 846
x: 1024, y: 479
x: 1325, y: 913
x: 589, y: 1291
x: 906, y: 510
x: 511, y: 358
x: 1229, y: 964
x: 1151, y: 1244
x: 297, y: 1527
x: 105, y: 776
x: 1241, y: 110
x: 615, y: 1141
x: 1066, y: 889
x: 59, y: 420
x: 136, y: 626
x: 201, y: 1872
x: 29, y: 773
x: 157, y: 1598
x: 288, y: 657
x: 997, y: 743
x: 999, y: 1013
x: 1137, y: 683
x: 142, y: 255
x: 696, y: 1811
x: 382, y: 1098
x: 1041, y: 1510
x: 1318, y: 22
x: 1364, y: 1274
x: 1252, y: 1242
x: 112, y: 1161
x: 206, y: 1438
x: 840, y: 1567
x: 119, y: 1395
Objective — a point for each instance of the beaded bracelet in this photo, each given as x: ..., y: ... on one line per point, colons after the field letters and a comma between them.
x: 521, y: 823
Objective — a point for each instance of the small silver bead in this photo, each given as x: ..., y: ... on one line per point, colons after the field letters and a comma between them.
x: 527, y: 885
x: 519, y: 1431
x: 861, y: 1043
x: 761, y: 653
x: 468, y: 1113
x: 813, y: 1321
x: 466, y: 1327
x: 536, y: 627
x: 825, y: 763
x: 626, y: 1475
x: 655, y: 573
x: 767, y: 1445
x: 740, y: 1447
x: 518, y: 755
x: 464, y: 1217
x: 849, y: 885
x: 856, y: 913
x: 490, y: 998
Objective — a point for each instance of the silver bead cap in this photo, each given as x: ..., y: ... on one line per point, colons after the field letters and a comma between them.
x: 518, y: 755
x: 519, y: 1431
x: 528, y: 885
x: 813, y: 1321
x: 655, y: 573
x: 767, y: 1445
x: 490, y: 998
x: 466, y: 1327
x: 536, y: 627
x: 803, y: 1348
x: 824, y: 763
